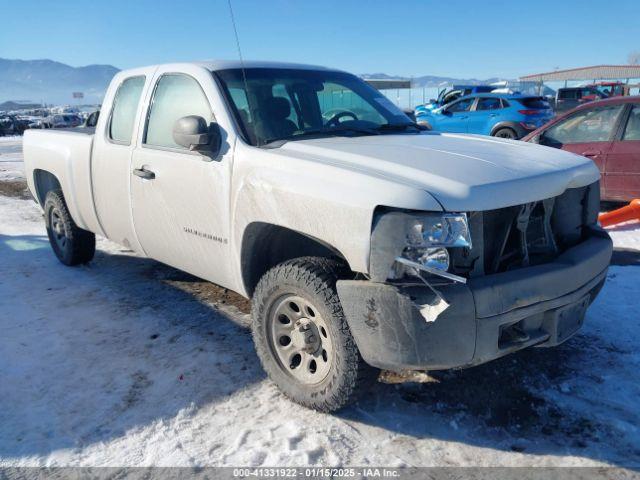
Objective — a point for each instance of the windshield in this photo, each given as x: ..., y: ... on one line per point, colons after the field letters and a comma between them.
x: 288, y: 104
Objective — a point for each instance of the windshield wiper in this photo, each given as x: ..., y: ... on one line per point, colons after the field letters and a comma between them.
x: 339, y: 130
x: 400, y: 127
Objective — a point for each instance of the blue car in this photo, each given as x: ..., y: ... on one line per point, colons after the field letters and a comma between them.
x: 497, y: 114
x: 449, y: 95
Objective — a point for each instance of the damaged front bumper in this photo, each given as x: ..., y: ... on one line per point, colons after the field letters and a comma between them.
x: 488, y: 317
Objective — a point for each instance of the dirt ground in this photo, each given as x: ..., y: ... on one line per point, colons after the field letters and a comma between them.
x: 15, y: 188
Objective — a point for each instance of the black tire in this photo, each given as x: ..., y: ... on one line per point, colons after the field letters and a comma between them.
x: 71, y: 244
x: 312, y: 280
x: 506, y: 132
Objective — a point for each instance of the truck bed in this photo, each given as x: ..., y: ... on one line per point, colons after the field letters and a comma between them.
x: 65, y: 154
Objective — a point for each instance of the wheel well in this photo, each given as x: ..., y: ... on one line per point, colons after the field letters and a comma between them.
x: 503, y: 126
x: 265, y: 245
x: 45, y: 182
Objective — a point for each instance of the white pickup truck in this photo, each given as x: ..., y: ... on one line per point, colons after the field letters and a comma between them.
x: 364, y: 242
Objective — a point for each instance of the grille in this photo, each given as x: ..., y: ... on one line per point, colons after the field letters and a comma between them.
x: 527, y: 234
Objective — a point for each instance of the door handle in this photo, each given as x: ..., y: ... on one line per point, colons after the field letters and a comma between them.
x: 591, y: 153
x: 144, y: 173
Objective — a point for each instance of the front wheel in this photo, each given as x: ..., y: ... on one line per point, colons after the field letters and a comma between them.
x: 302, y: 337
x: 71, y: 244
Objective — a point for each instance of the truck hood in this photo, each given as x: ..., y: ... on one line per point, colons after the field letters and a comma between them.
x: 462, y: 172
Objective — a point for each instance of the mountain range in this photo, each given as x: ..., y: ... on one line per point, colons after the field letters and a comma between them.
x: 47, y: 81
x: 38, y: 81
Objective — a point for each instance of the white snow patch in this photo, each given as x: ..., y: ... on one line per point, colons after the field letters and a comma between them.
x: 626, y: 235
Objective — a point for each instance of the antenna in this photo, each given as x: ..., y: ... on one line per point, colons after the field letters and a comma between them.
x: 235, y: 31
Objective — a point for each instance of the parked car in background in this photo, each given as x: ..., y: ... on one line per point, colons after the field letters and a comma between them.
x: 449, y: 95
x: 610, y: 89
x: 62, y: 121
x: 608, y: 132
x: 499, y: 115
x: 7, y: 126
x: 37, y: 122
x: 571, y: 97
x: 20, y: 124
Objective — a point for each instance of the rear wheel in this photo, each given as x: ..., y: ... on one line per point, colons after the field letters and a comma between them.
x: 71, y: 244
x: 302, y: 337
x: 506, y: 133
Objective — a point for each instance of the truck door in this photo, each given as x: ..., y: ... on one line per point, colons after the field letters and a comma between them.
x: 113, y: 146
x: 180, y: 204
x: 454, y: 118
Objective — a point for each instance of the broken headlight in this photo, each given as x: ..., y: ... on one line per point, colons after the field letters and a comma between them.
x: 409, y: 241
x: 429, y: 237
x: 439, y: 230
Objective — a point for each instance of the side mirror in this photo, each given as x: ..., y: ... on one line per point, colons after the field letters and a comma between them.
x: 193, y: 133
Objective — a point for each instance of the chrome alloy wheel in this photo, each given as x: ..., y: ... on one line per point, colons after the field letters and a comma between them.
x: 299, y: 339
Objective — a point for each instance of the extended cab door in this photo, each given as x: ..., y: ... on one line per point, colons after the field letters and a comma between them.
x: 113, y: 145
x: 622, y: 180
x: 180, y: 197
x: 588, y: 132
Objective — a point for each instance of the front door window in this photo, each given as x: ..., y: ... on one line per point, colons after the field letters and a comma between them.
x: 586, y: 126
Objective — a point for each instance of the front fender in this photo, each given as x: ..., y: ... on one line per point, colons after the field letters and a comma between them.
x: 324, y: 202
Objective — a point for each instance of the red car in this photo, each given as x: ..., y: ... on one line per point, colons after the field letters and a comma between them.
x: 608, y: 132
x: 610, y: 89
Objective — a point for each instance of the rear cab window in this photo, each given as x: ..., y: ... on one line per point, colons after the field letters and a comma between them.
x: 124, y: 109
x: 568, y: 94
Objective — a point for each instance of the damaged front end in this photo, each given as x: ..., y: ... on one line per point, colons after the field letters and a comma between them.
x: 451, y: 290
x: 415, y: 246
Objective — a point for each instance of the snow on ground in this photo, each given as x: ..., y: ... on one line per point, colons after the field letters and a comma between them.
x: 11, y: 158
x: 129, y: 362
x: 625, y: 236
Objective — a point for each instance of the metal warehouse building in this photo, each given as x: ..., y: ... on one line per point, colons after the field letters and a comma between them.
x: 598, y: 72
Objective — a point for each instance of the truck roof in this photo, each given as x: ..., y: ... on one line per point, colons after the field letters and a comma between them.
x: 227, y: 64
x: 215, y: 65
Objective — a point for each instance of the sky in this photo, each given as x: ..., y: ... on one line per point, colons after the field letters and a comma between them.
x: 463, y: 39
